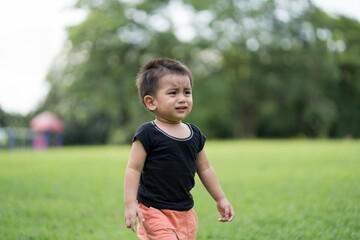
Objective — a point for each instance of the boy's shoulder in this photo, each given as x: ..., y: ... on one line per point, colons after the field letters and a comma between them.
x: 197, y: 131
x: 144, y: 132
x: 194, y: 127
x: 145, y: 126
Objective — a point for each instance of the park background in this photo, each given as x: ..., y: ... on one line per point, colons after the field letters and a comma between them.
x: 263, y: 70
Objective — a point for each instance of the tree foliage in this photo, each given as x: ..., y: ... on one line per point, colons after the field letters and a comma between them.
x: 13, y: 120
x: 262, y: 68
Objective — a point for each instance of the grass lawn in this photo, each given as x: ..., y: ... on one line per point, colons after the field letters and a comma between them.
x: 294, y: 189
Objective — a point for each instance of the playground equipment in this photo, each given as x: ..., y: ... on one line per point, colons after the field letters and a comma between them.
x: 47, y: 130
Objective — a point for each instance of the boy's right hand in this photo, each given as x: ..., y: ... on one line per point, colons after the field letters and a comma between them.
x: 131, y: 212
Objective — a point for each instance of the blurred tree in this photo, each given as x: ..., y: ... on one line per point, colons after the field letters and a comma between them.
x: 92, y: 81
x: 346, y: 94
x: 269, y: 68
x: 13, y: 119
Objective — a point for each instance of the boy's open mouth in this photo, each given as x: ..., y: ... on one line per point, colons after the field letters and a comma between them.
x: 181, y: 108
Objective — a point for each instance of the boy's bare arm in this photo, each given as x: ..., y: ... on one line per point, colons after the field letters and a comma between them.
x: 131, y: 185
x: 208, y: 177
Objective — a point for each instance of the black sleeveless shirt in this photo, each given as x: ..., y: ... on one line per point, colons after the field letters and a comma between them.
x: 170, y: 167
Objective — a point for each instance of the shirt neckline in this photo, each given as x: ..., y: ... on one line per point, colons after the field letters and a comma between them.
x: 172, y: 137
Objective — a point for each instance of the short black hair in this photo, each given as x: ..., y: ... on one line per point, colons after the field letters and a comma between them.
x: 148, y: 77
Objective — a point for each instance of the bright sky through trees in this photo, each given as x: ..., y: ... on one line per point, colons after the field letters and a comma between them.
x: 33, y: 32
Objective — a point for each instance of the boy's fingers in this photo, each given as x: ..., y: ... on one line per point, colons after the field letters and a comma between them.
x: 232, y: 214
x: 133, y: 227
x: 141, y: 217
x: 222, y: 218
x: 227, y: 212
x: 127, y: 223
x: 130, y: 223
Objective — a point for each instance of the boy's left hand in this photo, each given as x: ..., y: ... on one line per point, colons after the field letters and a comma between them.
x: 226, y: 211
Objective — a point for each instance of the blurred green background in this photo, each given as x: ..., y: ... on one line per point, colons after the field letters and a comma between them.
x: 264, y: 69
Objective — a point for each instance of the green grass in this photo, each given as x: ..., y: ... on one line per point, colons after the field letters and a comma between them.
x: 294, y: 189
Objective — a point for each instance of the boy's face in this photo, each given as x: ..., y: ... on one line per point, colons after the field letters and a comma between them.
x: 173, y: 99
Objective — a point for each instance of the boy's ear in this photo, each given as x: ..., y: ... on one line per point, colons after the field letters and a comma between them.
x: 150, y: 102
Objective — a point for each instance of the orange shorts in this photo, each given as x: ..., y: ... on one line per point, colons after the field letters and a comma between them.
x: 167, y: 224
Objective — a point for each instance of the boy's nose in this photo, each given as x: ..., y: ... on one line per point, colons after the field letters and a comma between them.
x: 181, y: 98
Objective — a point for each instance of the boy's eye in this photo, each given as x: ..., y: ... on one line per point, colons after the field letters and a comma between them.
x: 172, y: 93
x: 187, y: 92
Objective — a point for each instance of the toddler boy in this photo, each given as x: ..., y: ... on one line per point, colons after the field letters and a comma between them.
x: 165, y: 155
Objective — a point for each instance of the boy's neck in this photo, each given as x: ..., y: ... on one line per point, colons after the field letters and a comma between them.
x: 169, y: 123
x: 174, y: 129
